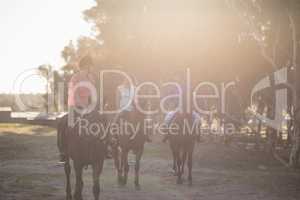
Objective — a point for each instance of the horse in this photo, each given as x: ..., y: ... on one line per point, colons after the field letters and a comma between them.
x: 126, y: 142
x: 182, y: 143
x: 84, y: 149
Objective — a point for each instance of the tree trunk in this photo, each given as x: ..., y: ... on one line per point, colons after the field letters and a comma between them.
x: 295, y: 151
x: 295, y: 136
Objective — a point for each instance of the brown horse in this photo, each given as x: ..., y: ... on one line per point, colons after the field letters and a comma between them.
x: 182, y: 142
x: 84, y: 148
x: 130, y: 140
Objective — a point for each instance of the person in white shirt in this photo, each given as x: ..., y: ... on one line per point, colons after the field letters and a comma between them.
x: 125, y: 96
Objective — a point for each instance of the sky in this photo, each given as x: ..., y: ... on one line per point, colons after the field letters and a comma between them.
x: 34, y: 32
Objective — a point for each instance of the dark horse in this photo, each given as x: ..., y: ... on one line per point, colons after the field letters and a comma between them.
x: 126, y: 141
x: 184, y: 131
x: 84, y: 148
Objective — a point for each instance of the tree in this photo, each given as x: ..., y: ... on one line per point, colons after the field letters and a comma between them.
x: 46, y: 71
x: 272, y: 25
x: 147, y: 37
x: 248, y: 39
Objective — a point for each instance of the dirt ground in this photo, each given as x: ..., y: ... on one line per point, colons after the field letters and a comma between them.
x: 29, y: 171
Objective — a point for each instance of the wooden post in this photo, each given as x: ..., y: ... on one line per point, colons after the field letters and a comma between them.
x: 295, y: 151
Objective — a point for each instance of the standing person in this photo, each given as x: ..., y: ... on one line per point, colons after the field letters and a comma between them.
x: 80, y: 99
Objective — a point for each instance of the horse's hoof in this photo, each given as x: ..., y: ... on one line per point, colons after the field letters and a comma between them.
x: 69, y: 198
x: 125, y: 182
x: 137, y: 187
x: 174, y: 172
x: 120, y: 181
x: 77, y: 198
x: 190, y: 183
x: 121, y: 185
x: 179, y: 181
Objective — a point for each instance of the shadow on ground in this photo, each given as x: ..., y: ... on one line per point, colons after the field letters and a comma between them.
x: 29, y: 170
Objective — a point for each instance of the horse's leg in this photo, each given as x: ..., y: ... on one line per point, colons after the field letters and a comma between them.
x: 179, y: 162
x: 68, y: 183
x: 174, y: 160
x: 97, y: 169
x: 79, y: 183
x: 121, y: 167
x: 190, y: 165
x: 117, y: 162
x: 184, y: 155
x: 138, y: 157
x: 174, y: 164
x: 125, y: 166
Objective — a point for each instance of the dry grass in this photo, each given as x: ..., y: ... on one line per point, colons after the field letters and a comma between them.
x: 24, y: 129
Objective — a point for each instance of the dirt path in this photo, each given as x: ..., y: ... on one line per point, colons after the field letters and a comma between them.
x: 28, y: 171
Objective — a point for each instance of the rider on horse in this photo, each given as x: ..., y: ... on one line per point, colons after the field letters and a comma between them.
x: 80, y: 101
x: 180, y: 107
x: 126, y: 104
